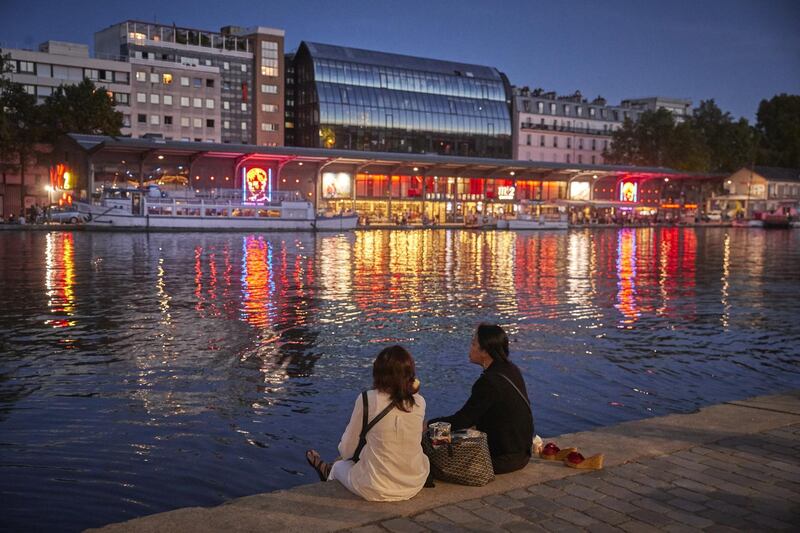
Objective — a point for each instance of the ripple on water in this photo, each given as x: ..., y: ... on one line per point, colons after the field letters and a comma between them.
x: 140, y: 373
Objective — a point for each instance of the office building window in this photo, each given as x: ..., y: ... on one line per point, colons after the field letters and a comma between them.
x: 594, y: 145
x: 540, y: 107
x: 528, y: 139
x: 209, y: 83
x: 167, y: 99
x: 226, y: 105
x: 592, y: 111
x: 141, y: 98
x: 566, y: 110
x: 244, y: 106
x: 269, y: 71
x: 269, y: 108
x: 166, y: 78
x: 126, y: 121
x: 541, y: 140
x: 209, y: 123
x: 244, y: 125
x: 184, y: 81
x: 184, y: 101
x: 185, y: 122
x: 197, y: 83
x: 155, y: 120
x: 197, y: 102
x: 154, y: 78
x: 226, y: 65
x: 569, y: 142
x: 209, y: 103
x: 154, y: 99
x: 268, y: 126
x: 122, y: 98
x: 244, y: 67
x: 121, y: 77
x: 198, y: 122
x: 269, y: 89
x: 555, y: 141
x: 552, y: 109
x: 167, y: 120
x: 226, y: 124
x: 29, y: 67
x: 141, y: 118
x: 141, y: 76
x: 579, y: 111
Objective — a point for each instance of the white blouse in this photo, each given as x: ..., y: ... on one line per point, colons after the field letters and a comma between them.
x: 392, y: 466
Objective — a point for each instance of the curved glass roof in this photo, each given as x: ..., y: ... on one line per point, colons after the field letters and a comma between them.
x: 370, y: 57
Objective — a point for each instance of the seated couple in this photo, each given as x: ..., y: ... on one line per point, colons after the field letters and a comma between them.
x: 391, y: 465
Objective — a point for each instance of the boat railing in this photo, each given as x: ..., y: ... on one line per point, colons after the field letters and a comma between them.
x: 229, y: 200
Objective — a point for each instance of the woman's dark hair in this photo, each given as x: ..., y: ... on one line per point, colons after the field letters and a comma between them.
x: 393, y: 372
x: 493, y: 340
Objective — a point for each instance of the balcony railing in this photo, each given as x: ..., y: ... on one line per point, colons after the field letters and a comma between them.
x: 564, y: 129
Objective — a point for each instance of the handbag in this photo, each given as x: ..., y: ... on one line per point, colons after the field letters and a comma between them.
x: 365, y: 427
x: 465, y: 461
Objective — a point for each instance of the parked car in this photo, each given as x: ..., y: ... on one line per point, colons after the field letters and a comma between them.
x: 67, y: 215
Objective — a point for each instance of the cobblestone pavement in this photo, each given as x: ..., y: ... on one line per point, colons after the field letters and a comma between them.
x: 747, y: 483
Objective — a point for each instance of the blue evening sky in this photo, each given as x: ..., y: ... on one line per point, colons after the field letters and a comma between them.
x: 737, y: 51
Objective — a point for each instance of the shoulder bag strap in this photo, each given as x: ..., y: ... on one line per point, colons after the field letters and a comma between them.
x: 516, y: 389
x: 362, y: 439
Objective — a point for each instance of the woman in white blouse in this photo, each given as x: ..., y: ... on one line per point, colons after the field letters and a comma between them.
x: 391, y: 466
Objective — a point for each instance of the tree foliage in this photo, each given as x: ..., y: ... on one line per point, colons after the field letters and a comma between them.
x: 81, y: 108
x: 778, y: 123
x: 709, y: 141
x: 20, y: 121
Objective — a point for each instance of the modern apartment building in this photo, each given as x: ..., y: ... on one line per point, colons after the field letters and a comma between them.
x: 61, y: 63
x: 681, y: 108
x: 564, y: 129
x: 224, y: 86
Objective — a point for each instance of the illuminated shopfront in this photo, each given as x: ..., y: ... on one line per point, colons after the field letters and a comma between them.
x: 379, y: 187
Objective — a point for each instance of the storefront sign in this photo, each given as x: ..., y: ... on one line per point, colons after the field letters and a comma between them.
x: 256, y: 185
x: 579, y: 190
x: 336, y: 185
x: 506, y: 192
x: 628, y: 191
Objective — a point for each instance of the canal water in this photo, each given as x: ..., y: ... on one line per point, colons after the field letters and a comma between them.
x: 144, y: 372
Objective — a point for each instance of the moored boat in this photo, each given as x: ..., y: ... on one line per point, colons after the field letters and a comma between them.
x: 135, y: 209
x: 747, y: 223
x: 776, y: 221
x: 523, y: 222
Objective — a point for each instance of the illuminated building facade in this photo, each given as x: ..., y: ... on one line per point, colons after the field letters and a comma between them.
x: 564, y: 129
x: 203, y: 86
x: 352, y: 99
x: 379, y: 187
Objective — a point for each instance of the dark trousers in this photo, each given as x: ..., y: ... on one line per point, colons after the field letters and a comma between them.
x: 503, y: 464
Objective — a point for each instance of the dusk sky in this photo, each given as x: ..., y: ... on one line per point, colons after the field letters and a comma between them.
x: 737, y: 52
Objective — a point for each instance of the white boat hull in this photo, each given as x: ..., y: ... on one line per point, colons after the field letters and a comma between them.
x: 747, y: 223
x: 187, y: 215
x: 192, y: 223
x: 337, y: 223
x: 517, y: 224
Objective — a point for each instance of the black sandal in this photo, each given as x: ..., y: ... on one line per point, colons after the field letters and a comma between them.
x: 322, y: 468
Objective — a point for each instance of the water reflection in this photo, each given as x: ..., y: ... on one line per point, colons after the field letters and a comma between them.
x: 212, y: 359
x: 60, y: 278
x: 626, y: 272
